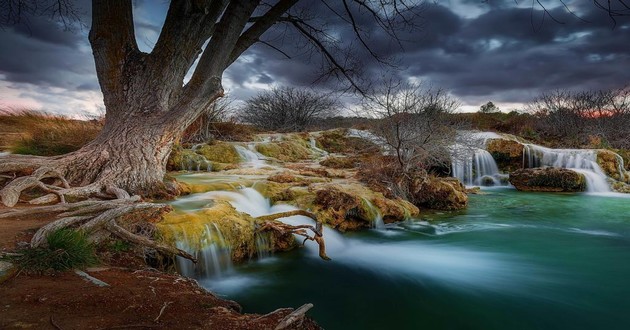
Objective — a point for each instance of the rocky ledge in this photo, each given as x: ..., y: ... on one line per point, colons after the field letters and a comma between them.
x: 548, y: 179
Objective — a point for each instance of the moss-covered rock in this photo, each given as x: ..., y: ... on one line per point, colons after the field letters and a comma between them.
x: 229, y: 229
x: 286, y: 151
x: 612, y: 164
x: 337, y: 141
x: 182, y: 159
x: 220, y: 152
x: 276, y: 191
x: 439, y: 193
x: 620, y: 187
x: 352, y: 206
x: 549, y: 179
x: 508, y: 154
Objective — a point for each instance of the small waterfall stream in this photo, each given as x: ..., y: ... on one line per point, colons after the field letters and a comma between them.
x: 214, y: 258
x: 472, y: 164
x: 250, y: 156
x: 583, y: 161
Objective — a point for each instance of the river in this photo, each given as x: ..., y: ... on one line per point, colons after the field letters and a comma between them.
x: 512, y: 260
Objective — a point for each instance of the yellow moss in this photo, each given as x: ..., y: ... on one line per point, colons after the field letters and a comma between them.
x: 353, y: 206
x: 236, y: 228
x: 286, y: 151
x: 609, y: 162
x: 220, y: 152
x: 182, y: 159
x: 275, y: 191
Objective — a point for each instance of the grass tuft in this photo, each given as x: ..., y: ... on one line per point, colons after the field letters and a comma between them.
x: 67, y: 249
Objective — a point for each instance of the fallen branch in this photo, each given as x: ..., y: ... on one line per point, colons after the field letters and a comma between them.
x: 133, y: 238
x: 297, y: 316
x: 269, y: 223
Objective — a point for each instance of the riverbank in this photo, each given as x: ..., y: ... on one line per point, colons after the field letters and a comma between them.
x: 135, y: 295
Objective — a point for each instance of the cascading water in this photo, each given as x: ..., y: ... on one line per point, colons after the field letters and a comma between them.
x: 250, y: 156
x: 214, y: 257
x: 583, y: 161
x: 472, y: 164
x: 314, y: 147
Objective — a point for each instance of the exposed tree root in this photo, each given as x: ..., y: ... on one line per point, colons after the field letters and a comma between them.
x: 96, y: 217
x: 269, y: 223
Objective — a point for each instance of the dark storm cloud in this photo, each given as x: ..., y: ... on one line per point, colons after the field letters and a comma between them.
x: 508, y: 53
x: 481, y: 51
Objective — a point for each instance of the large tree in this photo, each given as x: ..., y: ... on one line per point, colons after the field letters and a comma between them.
x: 148, y: 105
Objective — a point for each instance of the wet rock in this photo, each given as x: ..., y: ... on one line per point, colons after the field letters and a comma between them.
x: 229, y: 229
x: 612, y: 164
x: 548, y: 179
x: 220, y: 152
x: 286, y: 151
x: 439, y: 193
x: 352, y: 207
x: 508, y: 154
x: 182, y: 159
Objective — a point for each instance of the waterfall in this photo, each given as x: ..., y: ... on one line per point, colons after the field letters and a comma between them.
x: 583, y: 161
x: 472, y: 164
x: 214, y: 258
x: 263, y: 246
x: 377, y: 217
x: 250, y: 156
x: 314, y: 147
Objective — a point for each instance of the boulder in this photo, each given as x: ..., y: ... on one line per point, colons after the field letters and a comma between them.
x: 352, y: 206
x: 286, y: 151
x: 229, y: 229
x: 508, y: 154
x: 220, y: 152
x: 439, y: 193
x: 548, y: 179
x: 612, y: 164
x: 182, y: 159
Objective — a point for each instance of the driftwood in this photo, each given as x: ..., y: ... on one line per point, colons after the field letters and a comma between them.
x: 269, y: 223
x: 295, y: 318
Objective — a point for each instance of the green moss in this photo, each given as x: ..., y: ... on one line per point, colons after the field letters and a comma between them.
x: 220, y: 152
x: 286, y: 151
x: 182, y: 159
x: 236, y: 228
x: 336, y: 141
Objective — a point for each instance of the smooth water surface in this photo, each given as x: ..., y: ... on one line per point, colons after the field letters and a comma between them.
x: 513, y: 260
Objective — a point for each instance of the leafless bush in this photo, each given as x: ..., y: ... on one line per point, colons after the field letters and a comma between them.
x: 287, y: 109
x: 417, y: 130
x: 577, y: 117
x: 415, y: 123
x: 204, y: 128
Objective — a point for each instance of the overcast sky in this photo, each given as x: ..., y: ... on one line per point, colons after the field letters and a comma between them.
x: 501, y: 51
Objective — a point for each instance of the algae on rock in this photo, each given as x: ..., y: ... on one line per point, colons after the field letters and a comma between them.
x: 286, y: 151
x: 237, y: 230
x: 548, y: 179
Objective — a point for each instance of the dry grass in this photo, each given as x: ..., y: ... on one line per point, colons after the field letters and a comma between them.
x: 37, y: 133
